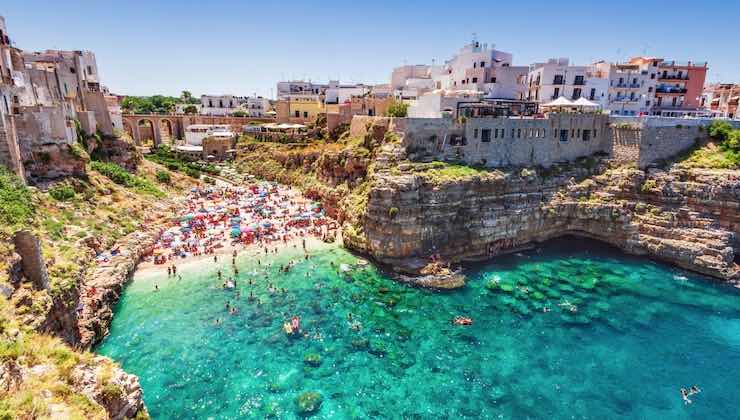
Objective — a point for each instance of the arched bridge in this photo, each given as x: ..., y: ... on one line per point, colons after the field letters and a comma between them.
x: 165, y: 128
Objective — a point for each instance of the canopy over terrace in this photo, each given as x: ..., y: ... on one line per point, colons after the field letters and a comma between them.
x: 275, y: 131
x: 562, y: 104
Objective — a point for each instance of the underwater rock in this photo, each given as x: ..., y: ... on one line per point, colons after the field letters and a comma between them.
x: 312, y: 359
x: 360, y: 343
x: 377, y: 348
x: 308, y: 403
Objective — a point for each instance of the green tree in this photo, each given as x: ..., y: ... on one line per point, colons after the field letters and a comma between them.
x: 190, y: 109
x: 397, y: 109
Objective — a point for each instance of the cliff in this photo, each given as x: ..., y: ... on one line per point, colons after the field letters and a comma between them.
x: 686, y: 217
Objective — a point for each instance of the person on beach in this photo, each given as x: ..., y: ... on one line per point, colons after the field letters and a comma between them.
x: 169, y: 271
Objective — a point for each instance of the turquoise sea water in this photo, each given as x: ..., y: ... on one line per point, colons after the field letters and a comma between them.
x: 640, y: 331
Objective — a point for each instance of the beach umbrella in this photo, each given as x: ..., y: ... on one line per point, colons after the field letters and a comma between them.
x: 267, y: 224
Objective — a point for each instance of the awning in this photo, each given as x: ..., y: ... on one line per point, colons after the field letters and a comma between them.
x: 560, y: 101
x: 583, y: 102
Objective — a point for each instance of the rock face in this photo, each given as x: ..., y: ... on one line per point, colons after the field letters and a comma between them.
x: 120, y: 395
x: 101, y: 290
x: 688, y: 218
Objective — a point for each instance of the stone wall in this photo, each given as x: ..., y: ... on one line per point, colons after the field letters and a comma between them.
x: 501, y: 142
x: 27, y: 245
x: 659, y: 143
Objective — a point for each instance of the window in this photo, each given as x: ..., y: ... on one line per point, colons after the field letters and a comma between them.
x: 475, y: 133
x: 518, y: 133
x: 298, y: 114
x: 210, y: 103
x: 593, y: 94
x: 220, y: 103
x: 305, y: 114
x: 475, y: 80
x: 89, y: 70
x: 576, y: 93
x: 650, y: 89
x: 572, y: 132
x: 495, y: 133
x: 579, y: 133
x: 558, y: 80
x: 557, y: 93
x: 513, y: 132
x: 634, y: 81
x: 594, y: 133
x: 563, y: 135
x: 486, y: 135
x: 647, y: 103
x: 578, y: 80
x: 586, y: 135
x: 493, y: 80
x: 482, y: 64
x: 621, y: 81
x: 674, y: 102
x: 474, y: 64
x: 652, y: 75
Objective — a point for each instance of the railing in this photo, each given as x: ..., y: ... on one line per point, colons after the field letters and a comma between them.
x: 674, y: 77
x: 579, y: 82
x: 670, y: 90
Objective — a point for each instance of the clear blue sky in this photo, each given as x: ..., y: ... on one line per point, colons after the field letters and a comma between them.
x: 239, y: 47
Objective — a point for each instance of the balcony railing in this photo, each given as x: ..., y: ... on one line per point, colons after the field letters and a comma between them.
x: 670, y: 90
x: 579, y: 82
x: 674, y: 77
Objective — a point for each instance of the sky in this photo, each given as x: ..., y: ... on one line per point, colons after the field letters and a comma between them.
x: 246, y: 47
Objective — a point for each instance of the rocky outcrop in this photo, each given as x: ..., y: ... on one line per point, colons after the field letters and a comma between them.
x: 688, y: 218
x: 118, y: 392
x: 102, y: 289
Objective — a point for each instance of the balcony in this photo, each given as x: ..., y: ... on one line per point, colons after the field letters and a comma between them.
x: 673, y: 78
x: 579, y: 82
x: 670, y: 90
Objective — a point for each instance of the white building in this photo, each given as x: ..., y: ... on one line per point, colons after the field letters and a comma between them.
x: 195, y: 133
x: 337, y: 93
x: 224, y: 105
x: 440, y: 102
x: 410, y: 81
x: 478, y: 67
x: 556, y: 77
x: 631, y: 87
x: 299, y: 87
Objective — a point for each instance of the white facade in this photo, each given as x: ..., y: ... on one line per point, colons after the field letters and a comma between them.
x: 555, y: 78
x: 224, y: 105
x: 194, y: 134
x: 337, y: 93
x: 631, y: 87
x: 439, y: 102
x: 286, y: 89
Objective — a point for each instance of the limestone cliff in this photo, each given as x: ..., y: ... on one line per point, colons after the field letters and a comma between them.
x: 688, y: 218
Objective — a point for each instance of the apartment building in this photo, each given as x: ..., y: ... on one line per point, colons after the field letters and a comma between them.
x: 630, y: 86
x: 224, y: 105
x: 478, y: 67
x: 722, y: 100
x: 679, y: 87
x: 557, y: 78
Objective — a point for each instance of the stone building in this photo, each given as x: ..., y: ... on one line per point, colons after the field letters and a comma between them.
x: 42, y: 94
x: 219, y: 146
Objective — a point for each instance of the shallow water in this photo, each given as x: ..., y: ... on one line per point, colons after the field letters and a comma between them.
x: 639, y: 332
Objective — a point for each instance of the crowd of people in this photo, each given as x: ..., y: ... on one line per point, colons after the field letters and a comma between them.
x: 222, y: 218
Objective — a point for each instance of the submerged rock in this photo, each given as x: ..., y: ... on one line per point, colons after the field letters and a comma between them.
x: 312, y: 359
x: 308, y: 403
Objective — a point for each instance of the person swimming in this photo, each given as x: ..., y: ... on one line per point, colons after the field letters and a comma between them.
x: 685, y: 396
x: 156, y: 288
x: 694, y: 390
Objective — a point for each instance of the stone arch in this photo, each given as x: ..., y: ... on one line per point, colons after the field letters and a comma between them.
x: 149, y: 131
x: 167, y: 132
x: 129, y: 131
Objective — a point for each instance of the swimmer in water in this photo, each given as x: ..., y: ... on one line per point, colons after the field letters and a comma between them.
x: 156, y: 288
x: 685, y: 396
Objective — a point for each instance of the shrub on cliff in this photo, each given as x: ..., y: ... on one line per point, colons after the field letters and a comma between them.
x: 720, y: 130
x: 62, y: 192
x: 121, y: 177
x: 163, y: 177
x: 15, y: 200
